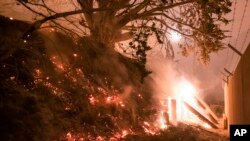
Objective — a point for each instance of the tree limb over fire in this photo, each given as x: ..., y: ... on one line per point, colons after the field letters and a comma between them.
x: 198, y: 21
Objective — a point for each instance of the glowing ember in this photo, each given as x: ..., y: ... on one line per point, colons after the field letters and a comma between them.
x: 66, y: 108
x: 146, y: 123
x: 113, y: 139
x: 99, y: 138
x: 92, y: 100
x: 60, y: 66
x: 108, y: 99
x: 140, y: 96
x: 12, y: 77
x: 121, y: 104
x: 124, y: 133
x: 38, y: 73
x: 149, y: 130
x: 58, y: 63
x: 69, y: 136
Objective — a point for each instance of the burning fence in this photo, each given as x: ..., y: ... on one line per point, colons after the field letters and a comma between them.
x: 186, y: 107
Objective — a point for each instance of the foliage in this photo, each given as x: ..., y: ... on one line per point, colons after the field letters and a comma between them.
x: 112, y: 21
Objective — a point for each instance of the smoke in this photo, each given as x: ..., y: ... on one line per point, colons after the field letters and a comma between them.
x: 163, y: 77
x: 167, y: 74
x: 166, y: 77
x: 209, y: 76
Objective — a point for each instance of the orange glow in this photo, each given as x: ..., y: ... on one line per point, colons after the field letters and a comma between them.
x: 37, y: 73
x: 66, y: 108
x: 162, y: 121
x: 185, y: 92
x: 58, y: 63
x: 205, y: 125
x: 140, y: 96
x: 60, y: 66
x: 124, y: 133
x: 69, y: 137
x: 12, y: 77
x: 169, y: 108
x: 146, y: 123
x: 148, y: 129
x: 92, y: 100
x: 113, y: 100
x: 121, y: 104
x: 99, y: 138
x: 108, y: 99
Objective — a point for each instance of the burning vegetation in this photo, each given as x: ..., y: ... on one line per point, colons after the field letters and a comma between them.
x: 84, y: 93
x: 51, y: 95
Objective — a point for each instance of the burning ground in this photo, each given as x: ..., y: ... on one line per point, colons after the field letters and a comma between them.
x: 82, y: 91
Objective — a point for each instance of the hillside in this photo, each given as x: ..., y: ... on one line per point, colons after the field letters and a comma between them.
x: 56, y: 88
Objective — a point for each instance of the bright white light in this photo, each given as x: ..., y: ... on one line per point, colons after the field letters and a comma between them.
x: 175, y: 36
x: 185, y: 88
x: 205, y: 125
x: 186, y: 91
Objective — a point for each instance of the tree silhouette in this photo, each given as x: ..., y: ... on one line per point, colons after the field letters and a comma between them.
x: 113, y: 21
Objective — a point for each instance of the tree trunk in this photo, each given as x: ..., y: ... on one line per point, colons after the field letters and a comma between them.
x: 104, y: 29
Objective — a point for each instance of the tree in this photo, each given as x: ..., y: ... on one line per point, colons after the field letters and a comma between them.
x: 113, y: 21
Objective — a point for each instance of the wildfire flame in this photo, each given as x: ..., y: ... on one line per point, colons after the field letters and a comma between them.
x: 185, y: 92
x: 162, y: 121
